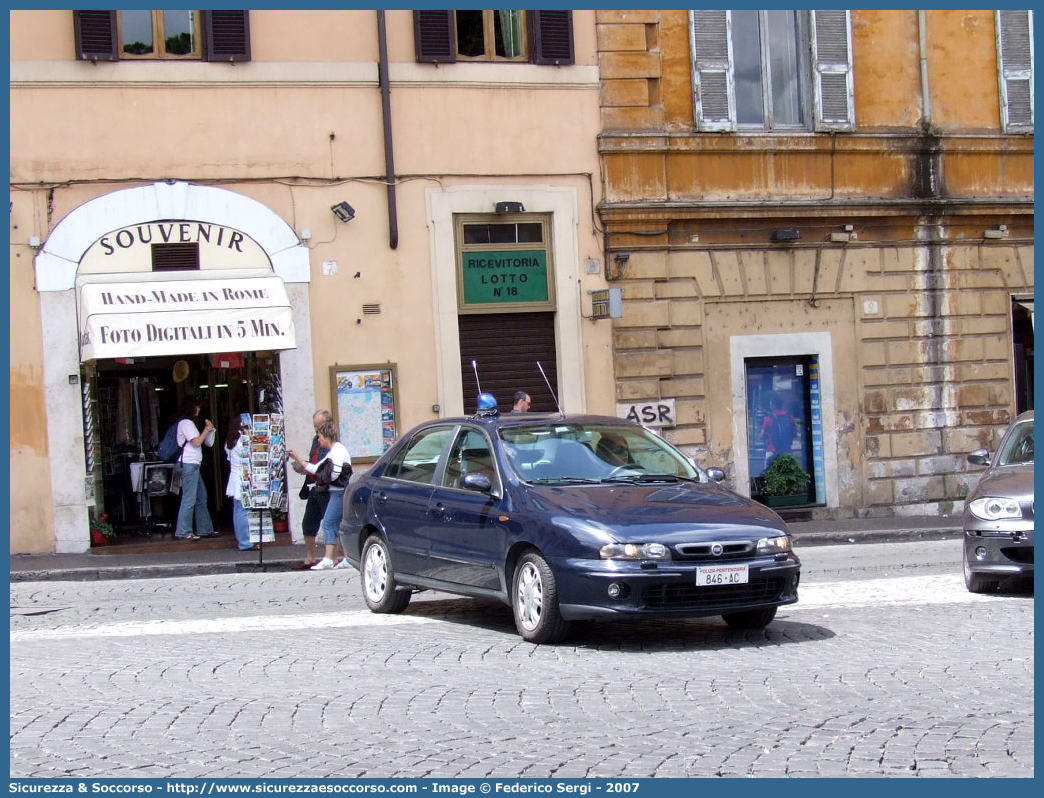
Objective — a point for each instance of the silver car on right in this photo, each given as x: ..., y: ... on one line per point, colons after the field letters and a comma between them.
x: 998, y: 511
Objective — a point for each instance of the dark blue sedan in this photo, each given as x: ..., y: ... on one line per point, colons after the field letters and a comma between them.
x: 563, y: 518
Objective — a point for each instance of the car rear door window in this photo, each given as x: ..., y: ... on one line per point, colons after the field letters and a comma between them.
x: 419, y: 460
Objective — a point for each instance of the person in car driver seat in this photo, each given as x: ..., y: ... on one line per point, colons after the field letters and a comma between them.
x: 613, y: 449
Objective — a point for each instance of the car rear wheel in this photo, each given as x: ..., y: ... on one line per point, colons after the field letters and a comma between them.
x: 378, y: 578
x: 750, y: 619
x: 977, y: 583
x: 534, y: 601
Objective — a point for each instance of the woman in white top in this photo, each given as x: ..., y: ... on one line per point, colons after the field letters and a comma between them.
x: 237, y: 450
x: 339, y: 465
x: 193, y: 491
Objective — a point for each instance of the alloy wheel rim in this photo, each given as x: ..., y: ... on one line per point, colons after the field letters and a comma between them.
x: 530, y: 596
x: 376, y: 572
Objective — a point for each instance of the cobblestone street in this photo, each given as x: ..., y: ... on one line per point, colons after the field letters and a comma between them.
x: 893, y: 672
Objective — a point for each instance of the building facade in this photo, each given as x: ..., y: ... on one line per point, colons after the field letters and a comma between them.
x: 284, y: 210
x: 826, y: 215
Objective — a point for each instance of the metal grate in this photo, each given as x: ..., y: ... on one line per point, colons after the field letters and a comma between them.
x: 175, y: 257
x: 705, y: 551
x: 687, y: 596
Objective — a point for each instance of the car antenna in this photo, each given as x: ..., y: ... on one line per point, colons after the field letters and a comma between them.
x: 548, y: 383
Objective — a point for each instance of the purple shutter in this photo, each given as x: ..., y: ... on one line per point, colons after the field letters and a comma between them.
x: 551, y: 34
x: 435, y: 36
x: 226, y: 35
x: 95, y: 35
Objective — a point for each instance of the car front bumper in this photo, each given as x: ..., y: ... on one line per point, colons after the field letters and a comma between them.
x: 1000, y: 550
x: 669, y: 590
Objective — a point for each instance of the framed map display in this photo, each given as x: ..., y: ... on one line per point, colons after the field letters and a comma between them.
x: 364, y: 408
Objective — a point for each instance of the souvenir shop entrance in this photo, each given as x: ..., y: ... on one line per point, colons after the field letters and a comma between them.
x: 130, y: 402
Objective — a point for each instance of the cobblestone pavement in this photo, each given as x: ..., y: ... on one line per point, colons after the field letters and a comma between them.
x: 878, y: 671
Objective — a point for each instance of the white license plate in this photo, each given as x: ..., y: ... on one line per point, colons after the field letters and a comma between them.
x: 714, y: 575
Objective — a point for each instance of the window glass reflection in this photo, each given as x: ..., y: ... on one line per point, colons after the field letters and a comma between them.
x: 137, y: 32
x: 178, y: 30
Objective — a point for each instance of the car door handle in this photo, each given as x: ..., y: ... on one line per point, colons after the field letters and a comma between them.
x: 438, y: 511
x: 381, y: 497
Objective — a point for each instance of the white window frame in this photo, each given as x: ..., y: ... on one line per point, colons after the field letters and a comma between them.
x: 1015, y: 70
x: 829, y: 39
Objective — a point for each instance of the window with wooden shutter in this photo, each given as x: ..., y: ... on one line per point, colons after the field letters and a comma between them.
x: 168, y: 35
x: 771, y: 70
x: 226, y: 35
x: 539, y: 37
x: 96, y: 35
x: 551, y: 34
x: 1015, y: 57
x: 712, y: 70
x: 832, y: 64
x: 434, y: 36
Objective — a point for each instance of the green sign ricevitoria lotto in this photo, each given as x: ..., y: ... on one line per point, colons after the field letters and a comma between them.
x: 491, y: 278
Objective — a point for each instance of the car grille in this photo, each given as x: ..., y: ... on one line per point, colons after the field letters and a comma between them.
x: 685, y: 596
x: 705, y: 551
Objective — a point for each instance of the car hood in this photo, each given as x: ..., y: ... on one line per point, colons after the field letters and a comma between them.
x: 1015, y: 482
x: 662, y: 512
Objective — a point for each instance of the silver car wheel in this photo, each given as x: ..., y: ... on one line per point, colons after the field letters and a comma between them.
x: 375, y: 573
x: 529, y: 597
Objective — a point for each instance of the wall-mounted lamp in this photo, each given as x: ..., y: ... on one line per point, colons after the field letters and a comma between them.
x: 620, y: 258
x: 1001, y: 231
x: 786, y: 234
x: 510, y: 207
x: 343, y: 211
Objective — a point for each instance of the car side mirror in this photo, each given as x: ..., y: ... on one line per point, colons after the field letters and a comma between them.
x: 716, y: 474
x: 477, y: 482
x: 979, y: 457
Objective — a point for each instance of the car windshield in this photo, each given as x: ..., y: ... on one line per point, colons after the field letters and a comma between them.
x: 597, y: 452
x: 1017, y: 447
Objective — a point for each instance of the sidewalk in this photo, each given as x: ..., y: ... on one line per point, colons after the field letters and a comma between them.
x: 182, y: 559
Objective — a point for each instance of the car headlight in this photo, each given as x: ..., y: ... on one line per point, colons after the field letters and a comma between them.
x: 776, y: 545
x: 993, y: 508
x: 634, y: 551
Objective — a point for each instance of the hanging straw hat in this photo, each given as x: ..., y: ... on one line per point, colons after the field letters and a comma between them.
x: 181, y: 371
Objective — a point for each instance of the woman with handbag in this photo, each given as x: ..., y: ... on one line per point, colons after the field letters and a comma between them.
x: 331, y: 474
x: 315, y: 500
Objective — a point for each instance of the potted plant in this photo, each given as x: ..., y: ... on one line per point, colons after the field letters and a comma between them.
x: 785, y: 482
x: 279, y: 521
x: 102, y: 532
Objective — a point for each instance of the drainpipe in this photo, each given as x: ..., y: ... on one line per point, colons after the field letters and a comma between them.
x: 935, y: 277
x: 926, y: 97
x: 389, y: 159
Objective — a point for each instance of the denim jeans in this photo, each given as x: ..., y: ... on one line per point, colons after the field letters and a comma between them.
x: 241, y: 524
x: 332, y: 517
x: 193, y: 503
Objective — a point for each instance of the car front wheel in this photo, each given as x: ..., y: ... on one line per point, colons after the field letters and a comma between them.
x: 378, y: 578
x: 750, y: 619
x: 977, y: 583
x: 534, y: 600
